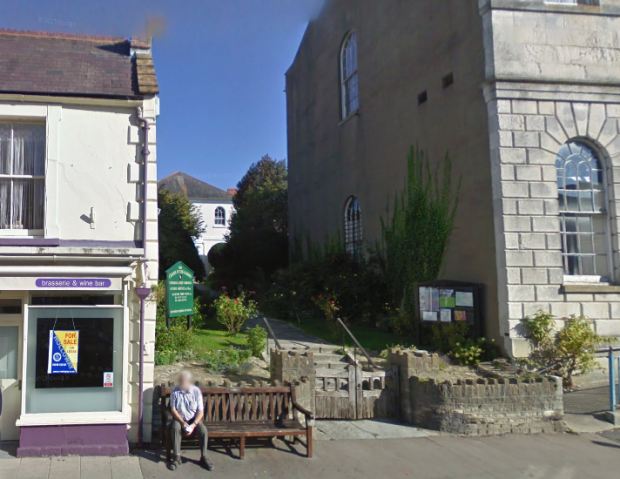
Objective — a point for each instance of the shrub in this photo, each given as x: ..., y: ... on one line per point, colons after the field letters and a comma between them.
x: 564, y: 352
x: 225, y: 360
x: 468, y: 353
x: 415, y: 237
x: 234, y: 312
x: 171, y: 344
x: 257, y: 340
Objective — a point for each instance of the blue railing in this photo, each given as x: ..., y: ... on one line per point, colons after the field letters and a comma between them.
x: 613, y: 361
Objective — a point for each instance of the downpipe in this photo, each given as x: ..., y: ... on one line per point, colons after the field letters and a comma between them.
x: 142, y: 291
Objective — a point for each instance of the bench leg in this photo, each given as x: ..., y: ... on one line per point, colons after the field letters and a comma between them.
x: 241, y: 447
x: 309, y: 442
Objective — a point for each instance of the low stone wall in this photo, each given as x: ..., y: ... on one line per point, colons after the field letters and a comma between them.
x: 296, y: 368
x: 482, y: 406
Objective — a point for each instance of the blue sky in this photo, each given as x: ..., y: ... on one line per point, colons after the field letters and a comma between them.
x: 220, y: 65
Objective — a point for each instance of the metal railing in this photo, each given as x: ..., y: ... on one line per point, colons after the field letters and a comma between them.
x: 271, y: 333
x: 352, y: 336
x: 612, y: 361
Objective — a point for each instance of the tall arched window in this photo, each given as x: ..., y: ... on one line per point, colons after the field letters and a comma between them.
x: 583, y: 216
x: 353, y: 227
x: 349, y: 89
x: 220, y: 216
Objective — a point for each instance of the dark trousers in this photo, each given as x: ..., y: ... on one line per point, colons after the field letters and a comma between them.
x: 176, y: 432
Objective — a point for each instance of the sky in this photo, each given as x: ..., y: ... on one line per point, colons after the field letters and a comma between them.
x: 220, y: 66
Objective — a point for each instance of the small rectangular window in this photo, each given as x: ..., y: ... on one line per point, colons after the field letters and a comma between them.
x: 423, y: 97
x: 448, y: 80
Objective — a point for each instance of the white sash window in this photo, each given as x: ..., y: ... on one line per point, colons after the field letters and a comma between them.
x: 22, y: 176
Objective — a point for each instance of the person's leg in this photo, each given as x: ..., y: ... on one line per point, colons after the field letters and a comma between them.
x: 176, y: 431
x: 204, y: 443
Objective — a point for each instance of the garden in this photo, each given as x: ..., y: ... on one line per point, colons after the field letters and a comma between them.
x: 315, y: 287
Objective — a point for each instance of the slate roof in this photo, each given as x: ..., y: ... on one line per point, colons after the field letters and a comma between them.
x: 193, y: 188
x: 74, y: 65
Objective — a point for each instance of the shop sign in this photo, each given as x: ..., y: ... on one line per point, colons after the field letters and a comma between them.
x: 63, y: 352
x: 179, y: 290
x: 67, y: 283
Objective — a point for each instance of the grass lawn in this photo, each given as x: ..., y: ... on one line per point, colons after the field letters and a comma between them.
x: 213, y: 336
x: 372, y: 339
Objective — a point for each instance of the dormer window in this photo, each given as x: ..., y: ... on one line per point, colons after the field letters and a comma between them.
x: 22, y: 176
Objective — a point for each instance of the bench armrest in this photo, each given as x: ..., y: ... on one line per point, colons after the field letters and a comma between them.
x: 304, y: 411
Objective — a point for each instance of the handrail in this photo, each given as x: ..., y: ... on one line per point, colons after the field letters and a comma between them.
x: 370, y: 361
x: 271, y: 333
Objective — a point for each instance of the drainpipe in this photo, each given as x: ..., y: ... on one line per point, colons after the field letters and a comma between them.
x: 142, y: 291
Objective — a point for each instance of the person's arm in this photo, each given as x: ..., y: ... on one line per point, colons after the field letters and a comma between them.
x: 200, y: 414
x: 175, y: 413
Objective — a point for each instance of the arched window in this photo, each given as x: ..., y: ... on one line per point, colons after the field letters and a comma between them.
x: 353, y: 227
x: 349, y: 89
x: 583, y: 216
x: 220, y: 216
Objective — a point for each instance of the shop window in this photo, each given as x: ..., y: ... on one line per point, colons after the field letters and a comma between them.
x: 74, y: 359
x: 353, y: 227
x: 349, y: 85
x: 22, y: 176
x: 583, y: 214
x: 10, y: 306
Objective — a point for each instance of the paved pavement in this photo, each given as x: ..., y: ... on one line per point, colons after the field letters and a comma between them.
x: 555, y: 456
x: 566, y: 456
x: 71, y: 467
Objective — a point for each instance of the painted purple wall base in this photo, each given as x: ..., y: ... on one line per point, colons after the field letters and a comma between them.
x: 84, y: 440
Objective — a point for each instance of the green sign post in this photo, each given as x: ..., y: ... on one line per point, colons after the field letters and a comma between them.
x: 179, y: 290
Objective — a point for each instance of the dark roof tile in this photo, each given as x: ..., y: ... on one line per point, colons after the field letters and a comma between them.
x: 193, y: 188
x: 62, y: 64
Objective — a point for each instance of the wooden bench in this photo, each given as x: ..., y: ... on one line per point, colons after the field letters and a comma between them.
x: 245, y: 412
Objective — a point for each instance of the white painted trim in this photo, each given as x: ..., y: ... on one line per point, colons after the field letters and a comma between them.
x: 68, y: 418
x: 581, y: 279
x: 56, y: 270
x: 125, y: 409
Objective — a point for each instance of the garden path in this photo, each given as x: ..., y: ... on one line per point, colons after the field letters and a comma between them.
x: 290, y: 336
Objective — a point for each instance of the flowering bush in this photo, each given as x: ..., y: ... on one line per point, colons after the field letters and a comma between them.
x: 327, y: 304
x: 234, y: 312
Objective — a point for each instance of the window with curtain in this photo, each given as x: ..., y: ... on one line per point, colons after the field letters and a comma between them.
x: 349, y: 88
x: 22, y: 176
x: 353, y: 237
x: 583, y: 216
x: 220, y: 216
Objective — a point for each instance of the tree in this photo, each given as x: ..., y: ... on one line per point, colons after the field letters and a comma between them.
x: 416, y: 236
x: 257, y: 245
x: 179, y: 225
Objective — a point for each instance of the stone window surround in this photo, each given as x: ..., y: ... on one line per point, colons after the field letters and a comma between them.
x: 527, y: 129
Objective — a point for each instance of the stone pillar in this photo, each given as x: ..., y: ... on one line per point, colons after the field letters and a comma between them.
x: 296, y: 368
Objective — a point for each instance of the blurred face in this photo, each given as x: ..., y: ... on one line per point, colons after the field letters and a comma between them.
x: 185, y: 380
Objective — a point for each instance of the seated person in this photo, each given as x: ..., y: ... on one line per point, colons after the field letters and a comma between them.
x: 187, y: 412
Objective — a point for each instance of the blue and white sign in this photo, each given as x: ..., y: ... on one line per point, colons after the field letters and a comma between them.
x: 63, y: 352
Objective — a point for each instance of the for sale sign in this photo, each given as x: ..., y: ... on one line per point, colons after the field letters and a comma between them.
x: 63, y: 352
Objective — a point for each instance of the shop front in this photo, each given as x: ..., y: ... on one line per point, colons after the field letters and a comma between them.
x: 64, y: 360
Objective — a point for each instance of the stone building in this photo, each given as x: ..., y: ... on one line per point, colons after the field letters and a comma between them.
x: 78, y: 242
x: 214, y: 205
x: 525, y: 97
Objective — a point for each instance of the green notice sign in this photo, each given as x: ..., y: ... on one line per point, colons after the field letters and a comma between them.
x: 179, y: 290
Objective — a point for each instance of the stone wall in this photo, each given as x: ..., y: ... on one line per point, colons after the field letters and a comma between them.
x: 297, y: 368
x: 483, y: 406
x: 552, y: 77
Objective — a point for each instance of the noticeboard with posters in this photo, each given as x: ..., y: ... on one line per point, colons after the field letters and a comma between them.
x: 445, y: 302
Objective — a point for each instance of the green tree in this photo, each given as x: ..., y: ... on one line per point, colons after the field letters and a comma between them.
x: 416, y: 237
x: 257, y: 245
x: 179, y: 225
